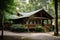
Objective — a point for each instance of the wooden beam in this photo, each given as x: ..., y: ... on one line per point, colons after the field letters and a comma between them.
x: 40, y: 18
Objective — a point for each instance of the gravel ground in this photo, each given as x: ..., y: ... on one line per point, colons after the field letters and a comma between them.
x: 31, y: 36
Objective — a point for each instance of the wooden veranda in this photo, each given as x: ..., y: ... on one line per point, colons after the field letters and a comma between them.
x: 37, y: 18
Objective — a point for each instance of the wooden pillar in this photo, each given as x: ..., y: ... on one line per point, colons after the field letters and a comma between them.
x: 51, y: 22
x: 28, y: 25
x: 52, y: 25
x: 47, y: 21
x: 42, y: 22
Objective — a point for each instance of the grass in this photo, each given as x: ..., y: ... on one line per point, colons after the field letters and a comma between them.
x: 14, y: 38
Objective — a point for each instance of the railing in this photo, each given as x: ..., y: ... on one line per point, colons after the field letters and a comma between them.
x: 30, y: 26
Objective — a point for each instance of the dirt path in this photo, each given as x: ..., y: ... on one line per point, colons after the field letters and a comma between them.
x: 34, y: 36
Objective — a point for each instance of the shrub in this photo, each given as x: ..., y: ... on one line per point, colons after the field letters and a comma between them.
x: 39, y: 29
x: 18, y: 28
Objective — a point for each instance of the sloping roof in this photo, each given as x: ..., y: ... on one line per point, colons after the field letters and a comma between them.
x: 23, y: 14
x: 44, y: 14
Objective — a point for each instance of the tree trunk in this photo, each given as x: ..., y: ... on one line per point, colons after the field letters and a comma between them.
x: 2, y: 24
x: 56, y: 18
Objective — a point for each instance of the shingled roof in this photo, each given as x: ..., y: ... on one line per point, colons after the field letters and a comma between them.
x: 28, y: 14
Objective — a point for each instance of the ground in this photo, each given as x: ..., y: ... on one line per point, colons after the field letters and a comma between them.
x: 31, y: 36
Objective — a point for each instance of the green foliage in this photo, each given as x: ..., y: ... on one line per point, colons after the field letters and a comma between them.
x: 38, y: 26
x: 17, y: 26
x: 4, y: 4
x: 32, y: 5
x: 7, y: 7
x: 39, y: 29
x: 59, y: 9
x: 37, y: 4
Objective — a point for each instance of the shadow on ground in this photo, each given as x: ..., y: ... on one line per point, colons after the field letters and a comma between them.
x: 13, y: 38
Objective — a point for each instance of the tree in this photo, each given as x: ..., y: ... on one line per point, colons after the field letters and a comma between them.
x: 6, y: 6
x: 59, y: 9
x: 33, y: 5
x: 56, y: 17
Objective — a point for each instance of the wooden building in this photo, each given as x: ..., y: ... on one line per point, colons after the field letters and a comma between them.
x: 39, y: 17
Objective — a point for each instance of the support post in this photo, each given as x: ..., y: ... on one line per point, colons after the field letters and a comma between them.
x: 51, y: 22
x: 42, y: 22
x: 47, y: 21
x: 28, y: 25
